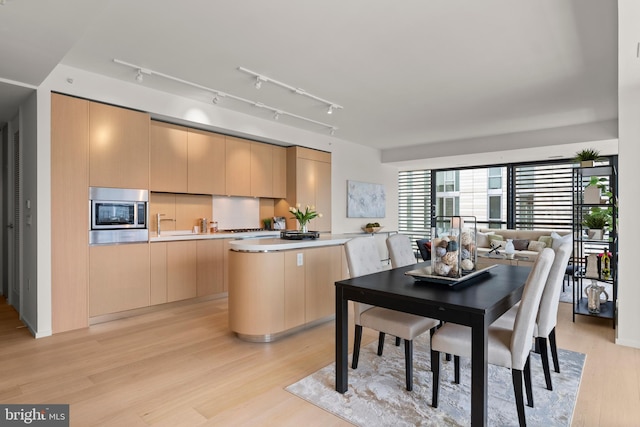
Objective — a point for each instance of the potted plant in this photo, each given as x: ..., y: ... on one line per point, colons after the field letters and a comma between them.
x: 595, y: 222
x: 587, y: 156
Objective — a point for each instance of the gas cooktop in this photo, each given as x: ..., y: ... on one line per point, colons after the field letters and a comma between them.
x: 241, y: 230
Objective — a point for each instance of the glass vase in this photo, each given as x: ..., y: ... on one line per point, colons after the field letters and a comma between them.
x: 303, y: 227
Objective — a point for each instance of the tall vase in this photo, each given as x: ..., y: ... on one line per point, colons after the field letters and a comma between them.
x: 509, y: 249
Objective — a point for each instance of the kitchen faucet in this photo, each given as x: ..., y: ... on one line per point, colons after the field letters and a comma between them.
x: 158, y: 219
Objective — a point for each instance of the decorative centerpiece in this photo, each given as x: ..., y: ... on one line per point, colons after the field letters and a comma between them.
x: 454, y: 247
x: 372, y: 227
x: 305, y: 216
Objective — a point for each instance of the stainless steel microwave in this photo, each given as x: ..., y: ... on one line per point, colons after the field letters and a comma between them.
x: 118, y: 215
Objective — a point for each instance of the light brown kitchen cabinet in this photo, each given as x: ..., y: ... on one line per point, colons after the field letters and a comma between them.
x: 119, y: 278
x: 294, y: 289
x: 308, y: 183
x: 323, y: 267
x: 118, y: 147
x: 181, y: 270
x: 261, y: 170
x: 279, y: 172
x: 158, y: 265
x: 207, y: 163
x: 238, y: 166
x: 210, y: 267
x: 168, y: 158
x: 69, y: 213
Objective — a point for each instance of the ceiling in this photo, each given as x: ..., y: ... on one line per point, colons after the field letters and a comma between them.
x: 406, y: 73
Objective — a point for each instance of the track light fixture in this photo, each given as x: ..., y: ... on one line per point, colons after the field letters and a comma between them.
x: 217, y: 95
x: 333, y: 131
x: 262, y: 78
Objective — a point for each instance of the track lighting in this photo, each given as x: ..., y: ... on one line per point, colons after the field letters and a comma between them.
x: 218, y: 96
x: 333, y: 131
x: 262, y: 78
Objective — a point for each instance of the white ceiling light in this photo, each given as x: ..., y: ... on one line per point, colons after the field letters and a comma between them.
x: 218, y: 95
x: 262, y: 78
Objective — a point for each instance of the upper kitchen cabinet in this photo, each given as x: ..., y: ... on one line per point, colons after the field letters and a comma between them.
x: 261, y: 170
x: 279, y: 172
x: 308, y: 183
x: 118, y: 147
x: 207, y: 163
x: 238, y: 166
x: 168, y: 158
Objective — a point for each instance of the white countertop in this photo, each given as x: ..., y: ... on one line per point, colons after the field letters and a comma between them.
x: 171, y: 236
x: 277, y: 244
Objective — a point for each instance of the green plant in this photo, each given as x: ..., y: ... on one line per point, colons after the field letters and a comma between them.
x: 597, y: 219
x: 587, y: 154
x: 305, y: 216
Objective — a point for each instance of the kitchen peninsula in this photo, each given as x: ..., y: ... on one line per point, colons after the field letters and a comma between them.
x: 278, y: 287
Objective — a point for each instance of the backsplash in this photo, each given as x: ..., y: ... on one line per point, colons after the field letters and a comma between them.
x: 236, y: 212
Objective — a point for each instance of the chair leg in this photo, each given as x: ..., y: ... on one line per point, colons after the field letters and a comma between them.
x: 357, y: 339
x: 541, y: 343
x: 397, y: 341
x: 435, y: 369
x: 380, y: 343
x: 527, y: 382
x: 408, y: 361
x: 456, y: 369
x: 516, y: 377
x: 554, y: 350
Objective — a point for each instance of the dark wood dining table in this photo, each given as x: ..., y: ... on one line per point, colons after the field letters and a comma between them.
x: 476, y: 304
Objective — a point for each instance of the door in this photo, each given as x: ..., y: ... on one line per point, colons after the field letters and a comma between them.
x: 13, y: 226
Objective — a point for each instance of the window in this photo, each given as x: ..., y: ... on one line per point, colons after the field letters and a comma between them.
x: 495, y: 208
x: 494, y: 176
x: 414, y: 203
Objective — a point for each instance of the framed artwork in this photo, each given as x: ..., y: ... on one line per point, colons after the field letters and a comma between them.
x: 365, y: 200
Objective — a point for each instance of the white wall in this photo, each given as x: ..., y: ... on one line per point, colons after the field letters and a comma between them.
x: 628, y: 332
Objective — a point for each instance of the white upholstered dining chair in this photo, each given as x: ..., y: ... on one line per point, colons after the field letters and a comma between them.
x: 507, y: 347
x: 547, y: 314
x: 400, y: 250
x: 363, y: 258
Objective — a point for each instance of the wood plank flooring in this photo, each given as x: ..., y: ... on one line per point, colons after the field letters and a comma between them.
x: 180, y: 366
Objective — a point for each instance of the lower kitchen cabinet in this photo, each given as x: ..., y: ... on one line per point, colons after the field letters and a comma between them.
x: 210, y: 267
x: 181, y: 270
x: 119, y: 278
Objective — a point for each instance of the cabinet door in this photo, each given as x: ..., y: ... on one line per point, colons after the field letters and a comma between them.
x: 119, y: 278
x: 294, y: 289
x: 279, y: 172
x: 118, y: 147
x: 210, y: 267
x: 168, y: 158
x: 238, y: 166
x: 158, y: 273
x: 323, y: 268
x: 69, y: 213
x: 261, y: 170
x: 206, y: 170
x: 323, y: 196
x: 181, y: 270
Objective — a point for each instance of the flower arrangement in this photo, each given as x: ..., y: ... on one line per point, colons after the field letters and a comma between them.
x: 305, y: 216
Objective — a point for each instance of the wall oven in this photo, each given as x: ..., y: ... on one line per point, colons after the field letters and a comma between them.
x: 118, y: 215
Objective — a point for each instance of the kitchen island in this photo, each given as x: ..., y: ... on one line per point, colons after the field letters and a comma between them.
x: 278, y: 287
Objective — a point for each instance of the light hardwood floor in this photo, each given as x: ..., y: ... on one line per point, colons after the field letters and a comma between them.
x: 180, y: 366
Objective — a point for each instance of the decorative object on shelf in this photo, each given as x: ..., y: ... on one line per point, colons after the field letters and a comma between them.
x: 596, y: 221
x: 372, y: 227
x: 592, y: 270
x: 604, y: 265
x: 509, y: 249
x: 587, y: 157
x: 593, y: 293
x: 304, y: 217
x: 453, y: 246
x: 267, y: 223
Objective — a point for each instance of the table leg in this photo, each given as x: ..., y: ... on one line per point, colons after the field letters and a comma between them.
x: 342, y: 341
x: 479, y: 369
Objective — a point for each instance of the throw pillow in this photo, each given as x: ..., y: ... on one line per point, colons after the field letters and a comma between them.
x: 559, y: 240
x: 536, y: 246
x: 548, y: 241
x: 520, y: 244
x: 495, y: 237
x: 482, y: 240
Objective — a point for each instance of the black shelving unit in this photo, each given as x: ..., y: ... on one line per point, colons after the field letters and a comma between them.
x: 583, y: 245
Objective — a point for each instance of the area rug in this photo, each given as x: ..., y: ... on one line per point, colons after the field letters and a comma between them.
x: 377, y: 394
